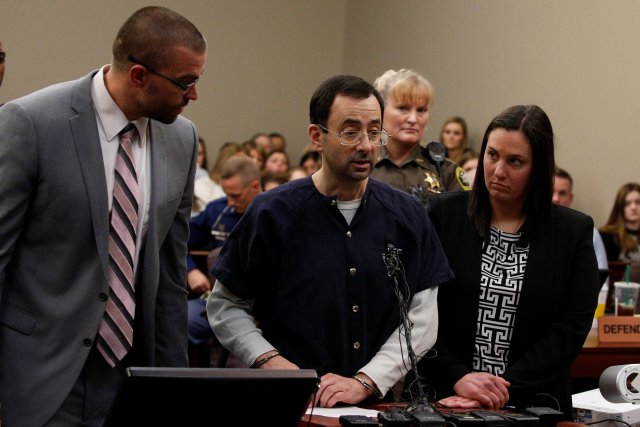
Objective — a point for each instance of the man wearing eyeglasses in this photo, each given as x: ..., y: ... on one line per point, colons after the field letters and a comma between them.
x: 308, y: 277
x: 97, y: 181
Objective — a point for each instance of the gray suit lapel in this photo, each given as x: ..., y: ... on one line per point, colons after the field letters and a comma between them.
x: 87, y: 141
x: 158, y: 147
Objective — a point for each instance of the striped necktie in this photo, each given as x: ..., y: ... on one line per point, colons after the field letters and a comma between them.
x: 115, y: 337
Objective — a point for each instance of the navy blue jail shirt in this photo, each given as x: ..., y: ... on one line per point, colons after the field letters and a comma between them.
x: 307, y: 269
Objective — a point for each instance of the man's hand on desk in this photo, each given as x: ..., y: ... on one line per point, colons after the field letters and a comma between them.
x: 334, y: 389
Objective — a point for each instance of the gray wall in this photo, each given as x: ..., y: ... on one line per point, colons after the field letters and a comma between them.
x: 577, y: 59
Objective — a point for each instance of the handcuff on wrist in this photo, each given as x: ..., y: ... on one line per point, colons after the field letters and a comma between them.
x: 373, y: 389
x: 264, y: 360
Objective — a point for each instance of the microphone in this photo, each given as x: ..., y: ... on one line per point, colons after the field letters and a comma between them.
x: 437, y: 154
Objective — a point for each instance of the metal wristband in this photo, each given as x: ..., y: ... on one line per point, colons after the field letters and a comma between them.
x: 374, y: 390
x: 264, y: 360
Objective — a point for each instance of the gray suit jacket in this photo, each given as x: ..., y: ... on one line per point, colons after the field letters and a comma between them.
x: 54, y: 227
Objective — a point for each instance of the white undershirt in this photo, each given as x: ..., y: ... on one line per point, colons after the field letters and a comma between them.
x: 348, y: 208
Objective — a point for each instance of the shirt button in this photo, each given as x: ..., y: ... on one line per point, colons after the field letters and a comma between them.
x: 102, y: 296
x: 355, y: 309
x: 87, y: 342
x: 356, y: 345
x: 333, y: 203
x: 352, y: 271
x: 348, y: 233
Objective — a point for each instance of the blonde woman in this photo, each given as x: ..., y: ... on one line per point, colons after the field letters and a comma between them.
x: 404, y: 163
x: 455, y: 138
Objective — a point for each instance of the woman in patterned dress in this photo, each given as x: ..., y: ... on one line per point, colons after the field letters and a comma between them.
x: 526, y: 284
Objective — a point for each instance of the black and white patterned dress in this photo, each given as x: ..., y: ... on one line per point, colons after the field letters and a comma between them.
x: 502, y: 273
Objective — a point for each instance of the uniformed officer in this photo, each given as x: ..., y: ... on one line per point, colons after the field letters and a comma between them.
x: 403, y: 163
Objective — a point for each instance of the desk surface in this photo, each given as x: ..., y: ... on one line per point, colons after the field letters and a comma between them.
x: 321, y: 421
x: 596, y: 356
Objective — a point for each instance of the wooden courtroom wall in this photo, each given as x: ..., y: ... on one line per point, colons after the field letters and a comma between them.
x: 577, y: 59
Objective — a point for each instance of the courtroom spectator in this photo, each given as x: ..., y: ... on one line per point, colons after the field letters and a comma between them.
x: 404, y: 163
x: 526, y: 277
x: 310, y: 161
x: 297, y: 173
x: 3, y: 57
x: 208, y: 187
x: 277, y: 161
x: 620, y: 233
x: 201, y: 171
x: 455, y: 137
x: 302, y: 281
x: 202, y: 159
x: 271, y: 180
x: 96, y: 186
x: 278, y: 141
x: 240, y: 180
x: 563, y: 195
x: 261, y: 139
x: 254, y: 151
x: 469, y: 164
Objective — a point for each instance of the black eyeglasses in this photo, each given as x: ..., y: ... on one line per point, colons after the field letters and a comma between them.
x: 184, y: 87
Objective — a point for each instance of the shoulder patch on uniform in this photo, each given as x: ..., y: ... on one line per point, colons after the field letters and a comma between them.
x: 462, y: 179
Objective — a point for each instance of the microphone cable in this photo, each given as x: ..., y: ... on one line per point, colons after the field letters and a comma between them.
x: 396, y: 273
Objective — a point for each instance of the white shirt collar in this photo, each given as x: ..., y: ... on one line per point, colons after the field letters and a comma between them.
x: 110, y: 116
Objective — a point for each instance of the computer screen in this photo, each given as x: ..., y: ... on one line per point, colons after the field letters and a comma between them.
x: 207, y: 396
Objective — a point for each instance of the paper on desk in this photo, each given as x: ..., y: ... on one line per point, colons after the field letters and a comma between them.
x: 343, y: 410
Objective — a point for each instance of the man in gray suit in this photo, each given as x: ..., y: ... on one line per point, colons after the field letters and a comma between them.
x: 65, y: 335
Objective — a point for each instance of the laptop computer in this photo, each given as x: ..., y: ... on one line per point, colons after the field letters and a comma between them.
x: 206, y: 396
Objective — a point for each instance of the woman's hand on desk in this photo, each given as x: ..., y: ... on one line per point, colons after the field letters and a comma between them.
x: 489, y: 390
x: 459, y: 402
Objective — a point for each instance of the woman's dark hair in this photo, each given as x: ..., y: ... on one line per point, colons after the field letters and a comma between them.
x: 536, y: 126
x: 311, y: 154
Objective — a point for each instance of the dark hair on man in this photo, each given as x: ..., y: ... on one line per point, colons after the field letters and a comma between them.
x: 325, y: 94
x: 536, y: 126
x: 151, y: 33
x: 561, y: 173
